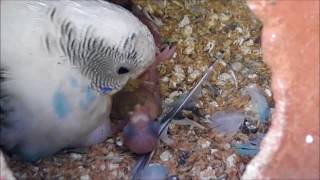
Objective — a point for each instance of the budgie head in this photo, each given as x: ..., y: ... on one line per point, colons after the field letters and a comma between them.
x: 107, y: 48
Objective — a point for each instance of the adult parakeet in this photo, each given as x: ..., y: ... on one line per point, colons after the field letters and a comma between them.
x: 60, y: 63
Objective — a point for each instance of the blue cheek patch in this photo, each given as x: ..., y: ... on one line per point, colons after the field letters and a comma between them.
x: 105, y: 90
x: 89, y: 97
x: 60, y: 104
x: 74, y: 82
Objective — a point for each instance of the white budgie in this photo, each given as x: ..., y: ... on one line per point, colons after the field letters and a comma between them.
x: 60, y: 63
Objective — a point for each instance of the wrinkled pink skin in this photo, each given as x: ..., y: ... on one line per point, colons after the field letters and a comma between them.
x: 141, y: 131
x: 151, y: 77
x: 147, y: 94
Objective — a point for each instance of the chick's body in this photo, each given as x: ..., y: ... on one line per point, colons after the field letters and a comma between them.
x: 60, y: 63
x: 135, y: 110
x: 144, y: 91
x: 138, y: 106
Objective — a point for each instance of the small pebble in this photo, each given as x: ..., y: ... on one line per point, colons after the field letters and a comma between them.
x: 212, y: 20
x: 245, y: 50
x: 268, y: 92
x: 174, y: 55
x: 36, y: 169
x: 237, y: 66
x: 227, y: 146
x: 190, y: 70
x: 231, y: 161
x: 207, y: 174
x: 212, y: 151
x: 189, y: 42
x: 249, y: 43
x: 165, y: 79
x: 110, y: 156
x: 193, y: 75
x: 85, y: 177
x: 121, y: 175
x: 179, y: 73
x: 252, y: 76
x: 185, y: 21
x: 183, y: 156
x: 110, y: 140
x: 114, y: 173
x: 165, y: 156
x: 174, y: 94
x: 214, y: 104
x: 249, y: 127
x: 112, y: 166
x: 102, y: 167
x: 245, y: 71
x: 119, y: 142
x: 21, y: 176
x: 174, y: 177
x: 223, y: 78
x: 239, y: 29
x: 204, y: 143
x: 75, y: 156
x: 242, y: 167
x: 154, y: 172
x: 172, y: 84
x: 189, y: 50
x: 187, y: 31
x: 224, y: 17
x: 210, y: 45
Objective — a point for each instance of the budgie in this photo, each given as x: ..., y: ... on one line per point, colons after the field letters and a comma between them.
x: 61, y: 61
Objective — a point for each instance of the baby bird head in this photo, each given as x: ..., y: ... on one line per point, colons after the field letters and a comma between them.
x: 104, y: 41
x: 141, y: 132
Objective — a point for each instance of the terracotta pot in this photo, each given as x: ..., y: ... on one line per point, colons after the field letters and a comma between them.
x: 290, y: 45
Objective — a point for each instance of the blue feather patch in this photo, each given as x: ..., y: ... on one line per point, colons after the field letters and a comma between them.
x: 105, y: 90
x: 246, y: 149
x: 60, y: 104
x: 259, y: 103
x: 250, y: 148
x: 89, y: 97
x: 74, y: 82
x: 264, y: 112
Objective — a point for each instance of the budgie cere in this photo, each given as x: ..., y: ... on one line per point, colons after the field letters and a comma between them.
x: 60, y: 63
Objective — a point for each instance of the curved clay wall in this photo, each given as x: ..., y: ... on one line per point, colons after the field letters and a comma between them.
x: 290, y: 45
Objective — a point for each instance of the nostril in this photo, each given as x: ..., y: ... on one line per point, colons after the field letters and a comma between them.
x: 123, y: 70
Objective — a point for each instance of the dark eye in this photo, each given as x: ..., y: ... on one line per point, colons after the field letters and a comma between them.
x: 123, y: 70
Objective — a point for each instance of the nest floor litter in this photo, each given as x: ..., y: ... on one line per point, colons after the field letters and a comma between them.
x: 205, y: 32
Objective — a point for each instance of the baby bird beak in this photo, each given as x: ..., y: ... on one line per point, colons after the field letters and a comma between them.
x: 141, y: 133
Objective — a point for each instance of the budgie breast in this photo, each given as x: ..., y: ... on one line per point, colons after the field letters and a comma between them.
x: 60, y: 63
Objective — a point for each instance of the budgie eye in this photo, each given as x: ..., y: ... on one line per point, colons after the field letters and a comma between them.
x: 123, y: 70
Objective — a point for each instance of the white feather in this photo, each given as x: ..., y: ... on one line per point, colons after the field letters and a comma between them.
x: 35, y: 75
